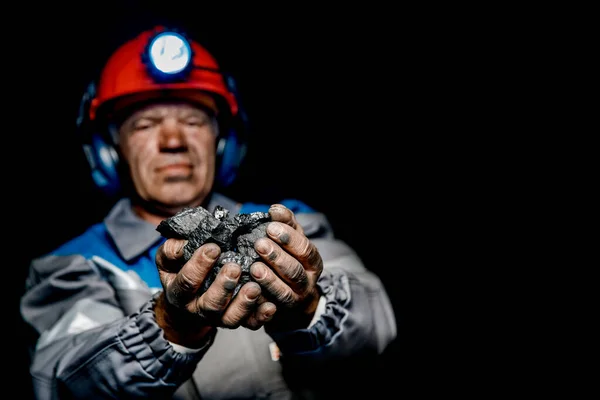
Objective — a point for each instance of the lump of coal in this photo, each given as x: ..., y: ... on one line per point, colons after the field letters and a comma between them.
x: 235, y: 235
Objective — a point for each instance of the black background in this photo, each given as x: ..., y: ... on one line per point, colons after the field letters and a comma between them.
x: 345, y: 107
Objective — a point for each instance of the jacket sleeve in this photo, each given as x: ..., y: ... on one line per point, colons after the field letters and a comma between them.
x: 86, y: 345
x: 358, y: 318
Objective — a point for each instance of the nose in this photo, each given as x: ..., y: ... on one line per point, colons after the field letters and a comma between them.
x: 172, y: 137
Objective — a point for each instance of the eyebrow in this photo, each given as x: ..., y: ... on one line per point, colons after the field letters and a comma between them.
x: 154, y: 114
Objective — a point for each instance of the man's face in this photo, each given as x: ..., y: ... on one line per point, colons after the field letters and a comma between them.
x: 170, y: 150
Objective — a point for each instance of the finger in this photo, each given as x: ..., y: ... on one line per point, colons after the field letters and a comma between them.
x: 241, y: 306
x: 169, y: 256
x: 169, y: 259
x: 286, y: 266
x: 215, y: 300
x: 298, y: 245
x: 183, y: 287
x: 281, y: 213
x: 263, y: 314
x: 274, y: 287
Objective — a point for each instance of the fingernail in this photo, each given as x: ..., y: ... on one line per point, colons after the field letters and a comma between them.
x: 258, y: 271
x: 269, y: 313
x: 211, y: 252
x: 252, y: 295
x: 262, y: 246
x: 276, y: 207
x: 233, y: 272
x: 274, y: 228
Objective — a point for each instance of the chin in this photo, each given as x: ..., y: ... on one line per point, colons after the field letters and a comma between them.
x: 179, y: 201
x: 177, y: 197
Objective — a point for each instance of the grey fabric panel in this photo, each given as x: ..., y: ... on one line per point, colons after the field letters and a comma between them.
x: 75, y: 304
x: 128, y: 358
x: 187, y: 391
x: 130, y: 290
x: 353, y: 322
x: 245, y: 367
x: 56, y: 283
x: 84, y: 315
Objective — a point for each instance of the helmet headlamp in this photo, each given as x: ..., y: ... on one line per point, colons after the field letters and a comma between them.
x: 168, y: 57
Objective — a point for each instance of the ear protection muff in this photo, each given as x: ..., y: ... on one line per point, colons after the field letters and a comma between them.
x: 97, y: 147
x: 102, y: 156
x: 232, y: 146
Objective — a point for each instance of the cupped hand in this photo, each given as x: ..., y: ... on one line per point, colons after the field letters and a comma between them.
x: 187, y: 315
x: 289, y: 271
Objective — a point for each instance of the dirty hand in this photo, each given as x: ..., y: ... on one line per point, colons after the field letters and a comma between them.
x: 289, y: 271
x: 187, y: 316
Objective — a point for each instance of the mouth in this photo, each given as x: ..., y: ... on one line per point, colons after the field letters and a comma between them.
x: 175, y: 169
x: 174, y: 166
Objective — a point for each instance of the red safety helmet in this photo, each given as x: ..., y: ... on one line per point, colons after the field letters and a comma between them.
x: 126, y: 76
